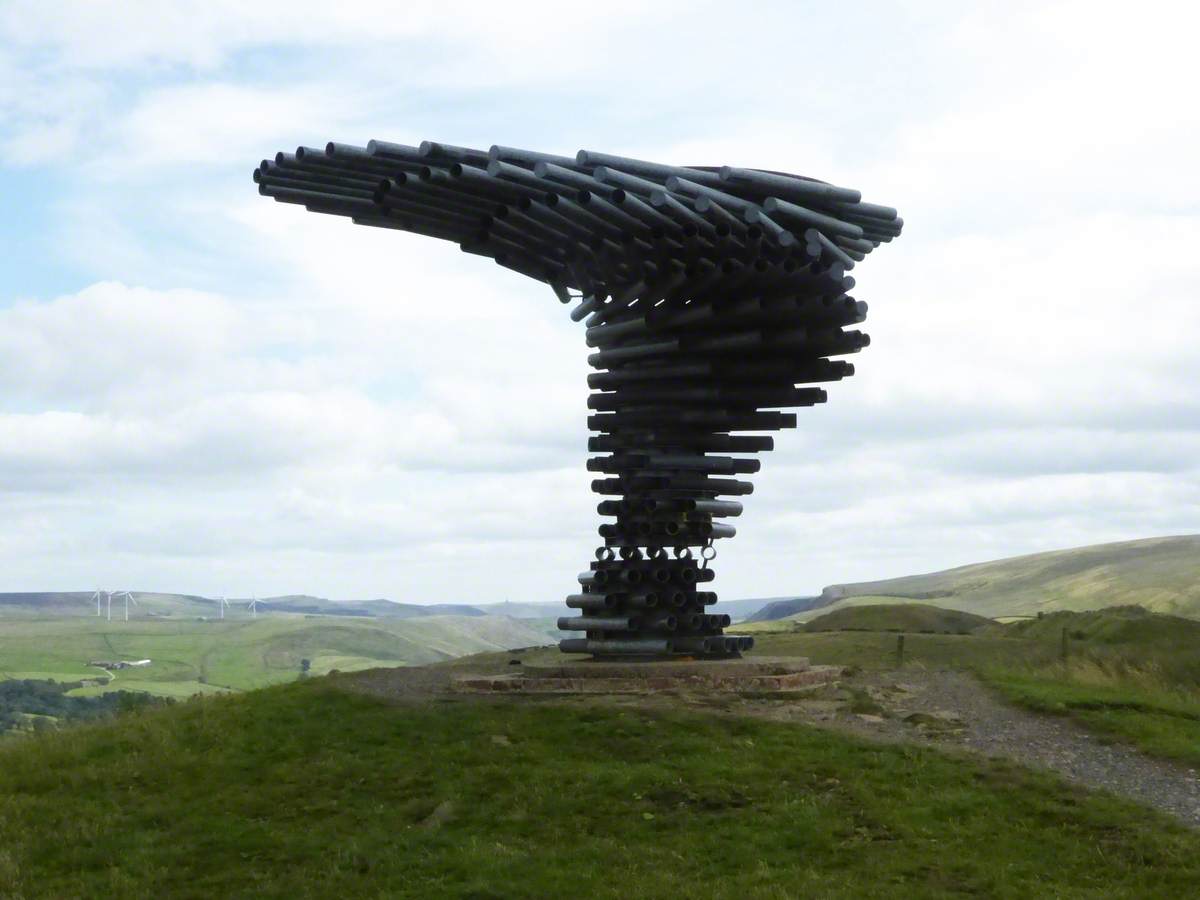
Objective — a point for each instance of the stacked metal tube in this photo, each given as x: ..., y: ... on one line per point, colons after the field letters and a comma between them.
x: 714, y: 299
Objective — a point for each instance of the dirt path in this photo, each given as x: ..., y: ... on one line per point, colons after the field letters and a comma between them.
x: 953, y: 709
x: 933, y: 708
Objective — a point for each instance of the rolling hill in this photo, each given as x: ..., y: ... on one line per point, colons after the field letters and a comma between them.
x: 912, y: 617
x: 384, y: 609
x: 782, y: 607
x: 82, y: 604
x: 156, y: 604
x: 58, y: 604
x: 1160, y: 574
x: 190, y: 656
x: 1115, y: 625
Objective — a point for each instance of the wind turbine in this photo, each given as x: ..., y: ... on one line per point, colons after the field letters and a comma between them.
x: 128, y: 598
x: 96, y: 596
x: 224, y: 603
x: 253, y: 607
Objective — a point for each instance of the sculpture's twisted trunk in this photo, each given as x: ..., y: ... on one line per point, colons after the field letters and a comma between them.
x: 714, y: 298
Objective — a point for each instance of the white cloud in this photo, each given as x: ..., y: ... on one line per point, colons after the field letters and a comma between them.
x: 217, y: 122
x: 110, y: 336
x: 136, y: 34
x: 344, y: 410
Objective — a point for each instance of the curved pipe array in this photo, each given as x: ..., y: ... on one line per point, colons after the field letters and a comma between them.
x: 714, y: 298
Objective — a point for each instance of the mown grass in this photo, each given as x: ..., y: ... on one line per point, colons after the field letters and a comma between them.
x: 310, y: 791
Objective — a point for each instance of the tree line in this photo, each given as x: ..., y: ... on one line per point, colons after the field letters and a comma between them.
x: 22, y: 698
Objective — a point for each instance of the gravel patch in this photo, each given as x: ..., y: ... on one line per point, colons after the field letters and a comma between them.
x: 954, y: 708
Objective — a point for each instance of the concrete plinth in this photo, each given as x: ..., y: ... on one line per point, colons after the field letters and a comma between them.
x: 759, y: 675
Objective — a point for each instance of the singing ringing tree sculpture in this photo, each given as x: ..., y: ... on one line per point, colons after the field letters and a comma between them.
x: 714, y: 298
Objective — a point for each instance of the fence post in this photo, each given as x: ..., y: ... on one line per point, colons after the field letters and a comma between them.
x: 900, y: 652
x: 1063, y: 651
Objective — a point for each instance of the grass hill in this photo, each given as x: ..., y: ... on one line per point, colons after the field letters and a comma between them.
x: 149, y: 603
x: 527, y: 610
x: 191, y: 656
x: 1160, y: 574
x: 384, y: 609
x: 906, y: 617
x: 1154, y: 647
x: 82, y: 604
x: 1115, y: 625
x: 58, y: 604
x: 314, y: 790
x: 783, y: 607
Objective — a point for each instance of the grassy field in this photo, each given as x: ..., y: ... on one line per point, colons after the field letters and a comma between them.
x: 916, y: 617
x: 1128, y: 674
x: 310, y: 791
x: 877, y: 650
x: 192, y: 656
x: 1160, y: 574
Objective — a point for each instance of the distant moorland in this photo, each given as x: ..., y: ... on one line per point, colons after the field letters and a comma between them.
x: 190, y: 656
x: 1159, y: 574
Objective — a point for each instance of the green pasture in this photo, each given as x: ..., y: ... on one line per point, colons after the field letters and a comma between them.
x: 310, y: 790
x: 191, y: 656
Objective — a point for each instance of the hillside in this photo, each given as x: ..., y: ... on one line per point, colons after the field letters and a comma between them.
x: 904, y: 617
x: 313, y: 790
x: 191, y: 656
x: 82, y: 604
x: 1115, y: 625
x: 526, y: 610
x: 1160, y: 574
x: 782, y: 607
x: 58, y: 604
x: 384, y: 609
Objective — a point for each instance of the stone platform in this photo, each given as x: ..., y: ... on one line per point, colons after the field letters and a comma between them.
x: 758, y: 675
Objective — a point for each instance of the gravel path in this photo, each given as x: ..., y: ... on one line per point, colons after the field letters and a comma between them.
x: 953, y: 707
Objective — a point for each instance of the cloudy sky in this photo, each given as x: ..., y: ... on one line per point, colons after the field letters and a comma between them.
x: 205, y: 391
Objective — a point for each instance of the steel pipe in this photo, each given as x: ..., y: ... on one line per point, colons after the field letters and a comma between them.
x: 710, y: 296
